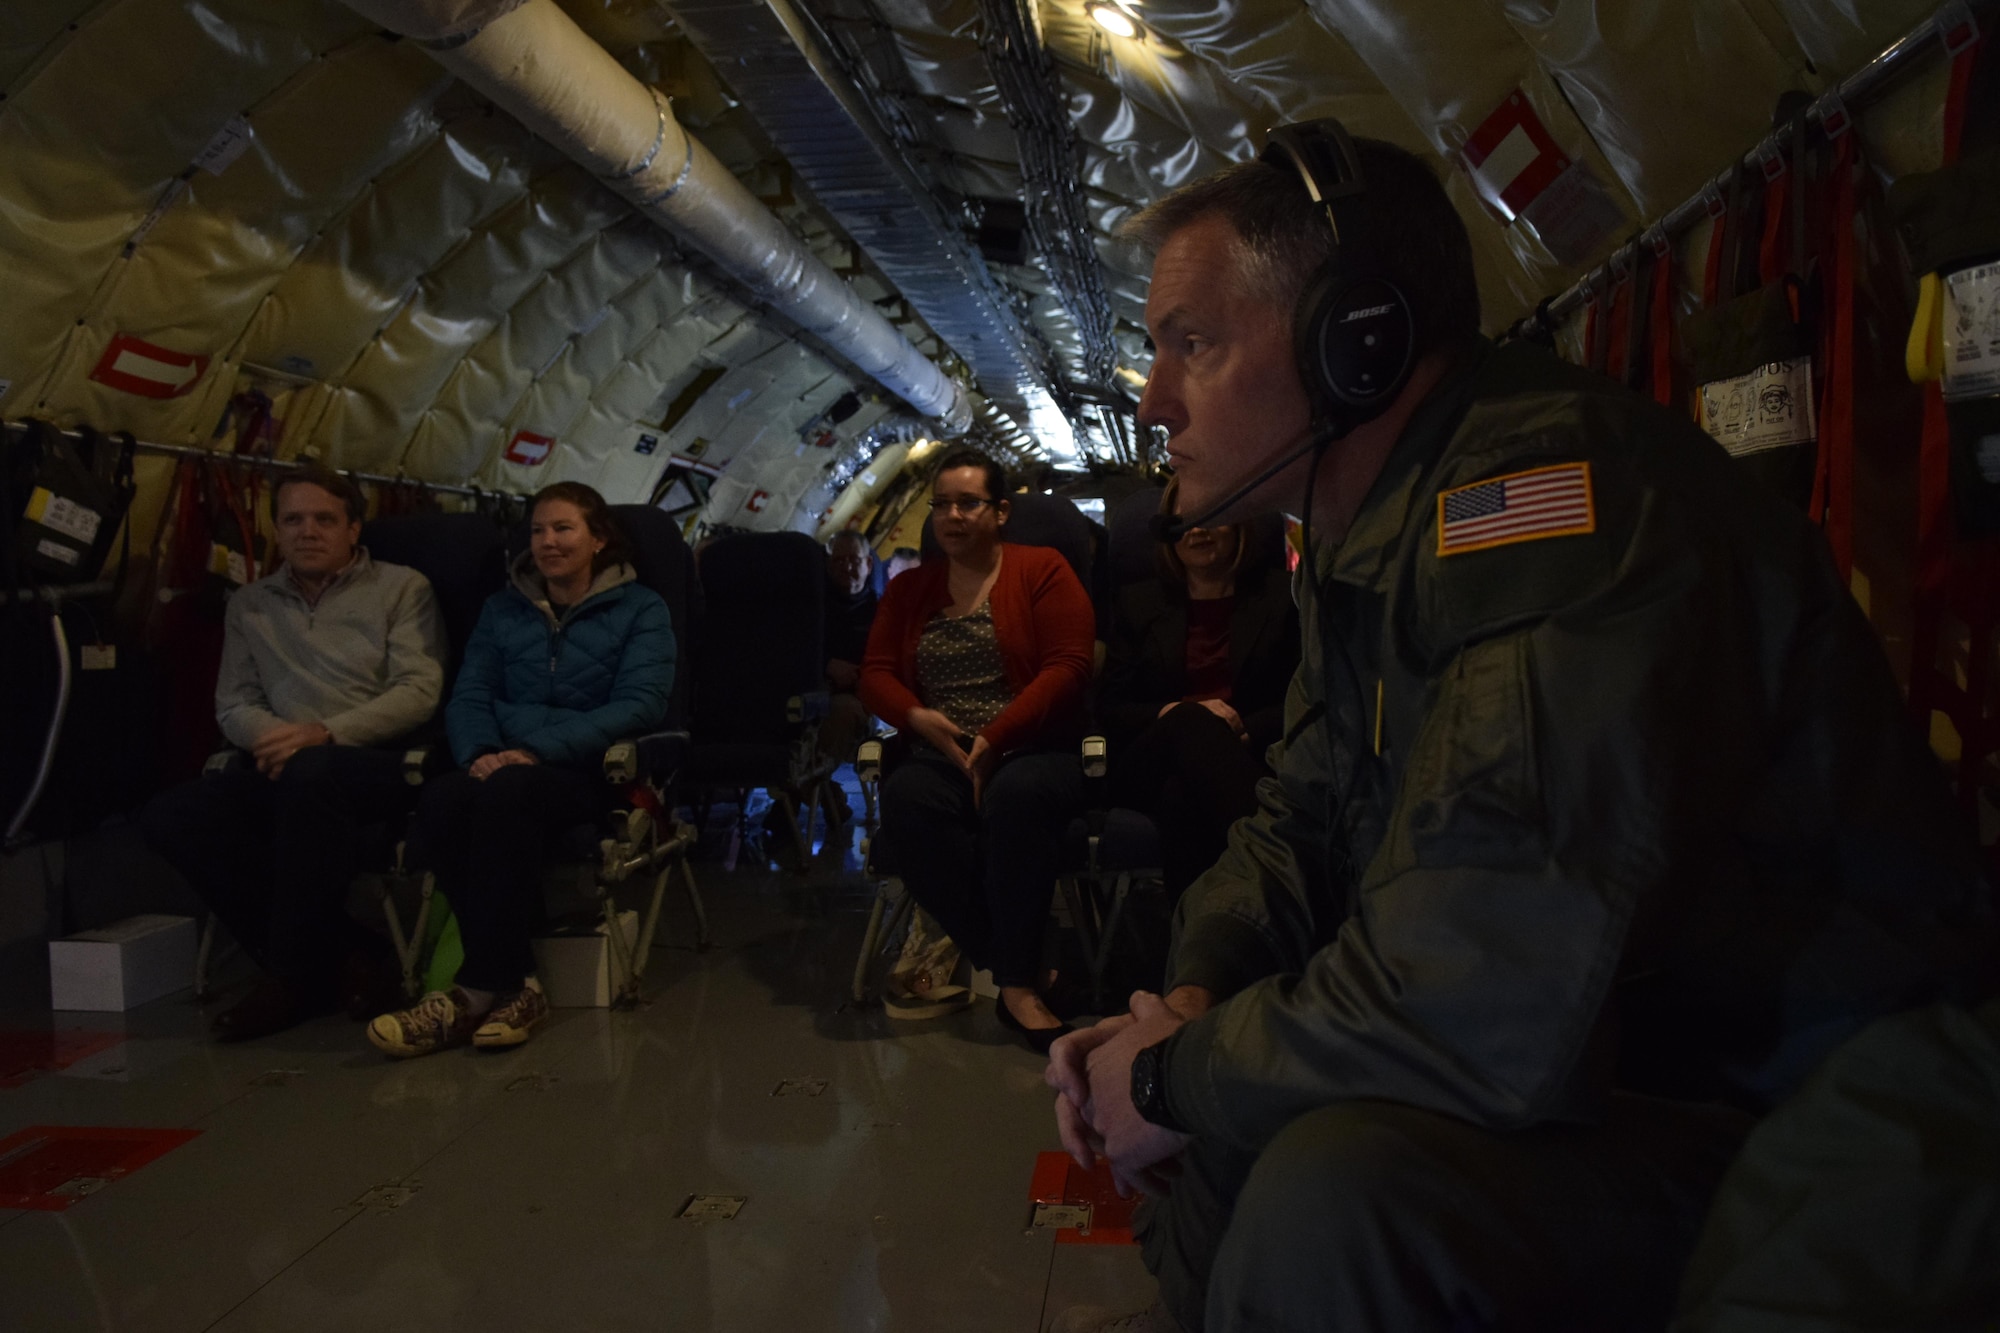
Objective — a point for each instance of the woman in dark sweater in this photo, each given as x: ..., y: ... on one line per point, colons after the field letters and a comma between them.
x: 1194, y: 689
x: 983, y: 659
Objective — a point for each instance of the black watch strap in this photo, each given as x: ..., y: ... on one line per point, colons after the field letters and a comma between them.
x: 1149, y: 1085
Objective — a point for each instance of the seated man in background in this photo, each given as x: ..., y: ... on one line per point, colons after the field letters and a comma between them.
x: 901, y: 560
x: 850, y: 612
x: 326, y: 664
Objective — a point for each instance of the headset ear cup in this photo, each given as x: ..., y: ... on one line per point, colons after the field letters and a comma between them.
x: 1356, y: 343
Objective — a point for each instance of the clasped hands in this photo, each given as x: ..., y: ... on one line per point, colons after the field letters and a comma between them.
x: 943, y: 734
x: 1091, y: 1072
x: 281, y: 742
x: 488, y: 764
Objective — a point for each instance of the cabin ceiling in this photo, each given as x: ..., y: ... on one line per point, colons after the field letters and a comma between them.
x: 312, y: 238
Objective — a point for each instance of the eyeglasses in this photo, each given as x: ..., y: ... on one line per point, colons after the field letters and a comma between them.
x: 963, y: 508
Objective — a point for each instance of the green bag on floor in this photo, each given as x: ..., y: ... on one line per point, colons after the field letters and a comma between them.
x: 443, y: 950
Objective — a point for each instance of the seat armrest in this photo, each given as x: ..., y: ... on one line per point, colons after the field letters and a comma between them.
x: 225, y: 761
x: 417, y: 762
x: 655, y: 758
x: 1096, y: 753
x: 811, y: 706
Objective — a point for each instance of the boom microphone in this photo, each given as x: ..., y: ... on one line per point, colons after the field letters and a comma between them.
x: 1170, y: 528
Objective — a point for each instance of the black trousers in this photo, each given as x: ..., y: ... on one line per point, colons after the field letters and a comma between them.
x: 1368, y: 1217
x: 489, y: 841
x: 273, y: 859
x: 987, y: 873
x: 1194, y: 778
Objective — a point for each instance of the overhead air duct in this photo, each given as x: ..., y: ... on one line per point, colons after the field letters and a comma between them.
x: 531, y: 60
x: 807, y: 94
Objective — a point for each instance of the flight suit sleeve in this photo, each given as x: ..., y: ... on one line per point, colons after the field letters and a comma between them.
x: 1561, y: 766
x: 1261, y: 907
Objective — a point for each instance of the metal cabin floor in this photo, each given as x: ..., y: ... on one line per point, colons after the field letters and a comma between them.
x: 546, y: 1181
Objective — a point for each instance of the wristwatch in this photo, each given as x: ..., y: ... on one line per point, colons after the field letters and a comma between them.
x: 1149, y: 1085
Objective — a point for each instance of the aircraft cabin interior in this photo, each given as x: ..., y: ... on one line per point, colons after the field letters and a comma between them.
x: 1107, y: 666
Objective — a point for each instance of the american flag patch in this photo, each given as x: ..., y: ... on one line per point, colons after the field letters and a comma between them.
x: 1521, y: 507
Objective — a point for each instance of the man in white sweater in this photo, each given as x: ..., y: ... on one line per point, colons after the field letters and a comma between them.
x: 326, y: 663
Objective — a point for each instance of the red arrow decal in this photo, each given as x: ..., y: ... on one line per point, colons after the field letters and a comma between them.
x: 755, y: 504
x: 133, y: 365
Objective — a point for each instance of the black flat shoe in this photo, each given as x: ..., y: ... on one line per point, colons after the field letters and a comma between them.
x: 1038, y: 1039
x: 269, y: 1008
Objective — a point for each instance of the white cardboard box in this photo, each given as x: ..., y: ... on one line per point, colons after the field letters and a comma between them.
x: 578, y: 969
x: 123, y: 965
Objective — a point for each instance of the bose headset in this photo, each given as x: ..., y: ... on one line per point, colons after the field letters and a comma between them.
x: 1353, y: 333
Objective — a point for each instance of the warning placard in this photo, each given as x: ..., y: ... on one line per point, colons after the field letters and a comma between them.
x: 63, y: 515
x: 1512, y: 156
x: 528, y: 448
x: 1972, y: 333
x: 1770, y: 408
x: 136, y: 366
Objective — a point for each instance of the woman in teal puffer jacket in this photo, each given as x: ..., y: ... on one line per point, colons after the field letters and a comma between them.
x: 573, y: 656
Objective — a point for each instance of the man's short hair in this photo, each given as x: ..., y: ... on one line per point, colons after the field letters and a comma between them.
x: 326, y: 479
x: 851, y: 535
x: 1404, y: 216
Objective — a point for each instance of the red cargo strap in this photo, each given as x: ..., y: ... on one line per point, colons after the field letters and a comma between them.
x: 1718, y: 241
x: 1618, y: 329
x: 1663, y: 328
x: 1833, y: 476
x: 1961, y: 579
x: 1934, y: 524
x: 1771, y: 258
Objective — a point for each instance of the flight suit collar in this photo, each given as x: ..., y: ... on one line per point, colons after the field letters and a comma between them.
x: 1367, y: 555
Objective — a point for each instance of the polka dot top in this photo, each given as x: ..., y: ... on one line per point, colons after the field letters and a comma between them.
x: 959, y: 671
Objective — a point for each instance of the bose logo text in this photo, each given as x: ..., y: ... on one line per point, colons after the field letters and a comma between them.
x: 1368, y: 313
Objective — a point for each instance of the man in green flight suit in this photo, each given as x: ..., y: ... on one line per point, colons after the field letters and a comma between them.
x: 1596, y: 823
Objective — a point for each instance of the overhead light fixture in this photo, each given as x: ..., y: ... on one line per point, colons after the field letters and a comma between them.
x: 1113, y: 19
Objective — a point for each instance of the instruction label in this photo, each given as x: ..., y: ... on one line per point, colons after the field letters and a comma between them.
x: 1769, y: 408
x: 65, y: 516
x: 230, y: 142
x: 1972, y: 333
x: 57, y: 552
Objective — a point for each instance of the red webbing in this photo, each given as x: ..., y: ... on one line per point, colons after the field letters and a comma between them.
x: 1934, y: 525
x: 1663, y: 329
x: 1833, y: 480
x: 1591, y: 359
x: 1711, y: 278
x: 1771, y: 259
x: 1618, y: 331
x: 1964, y: 579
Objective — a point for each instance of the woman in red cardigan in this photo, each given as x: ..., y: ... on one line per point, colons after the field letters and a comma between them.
x: 982, y: 660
